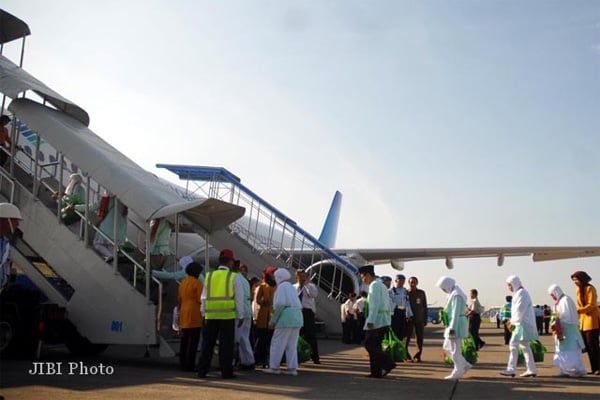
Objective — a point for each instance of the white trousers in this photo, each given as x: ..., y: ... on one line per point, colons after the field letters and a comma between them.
x: 242, y: 337
x: 513, y: 357
x: 453, y: 348
x: 284, y: 340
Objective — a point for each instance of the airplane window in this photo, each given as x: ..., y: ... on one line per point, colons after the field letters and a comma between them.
x: 41, y: 156
x: 28, y: 150
x: 74, y: 168
x: 51, y: 158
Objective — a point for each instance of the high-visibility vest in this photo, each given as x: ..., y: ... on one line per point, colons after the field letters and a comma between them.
x: 219, y: 302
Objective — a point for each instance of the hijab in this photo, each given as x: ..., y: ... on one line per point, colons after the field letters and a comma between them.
x: 449, y: 286
x: 515, y: 282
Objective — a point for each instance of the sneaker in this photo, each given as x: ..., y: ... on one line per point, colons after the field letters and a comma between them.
x: 453, y: 377
x: 291, y: 372
x: 271, y: 371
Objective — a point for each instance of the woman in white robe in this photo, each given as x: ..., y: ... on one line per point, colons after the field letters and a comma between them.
x: 287, y: 319
x: 457, y: 328
x: 568, y: 342
x: 524, y: 329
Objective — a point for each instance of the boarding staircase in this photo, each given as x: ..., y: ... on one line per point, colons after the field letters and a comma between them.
x: 265, y: 236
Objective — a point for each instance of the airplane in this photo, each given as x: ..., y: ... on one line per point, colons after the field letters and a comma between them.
x: 335, y: 268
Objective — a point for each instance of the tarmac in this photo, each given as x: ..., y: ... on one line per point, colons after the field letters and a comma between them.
x: 124, y: 372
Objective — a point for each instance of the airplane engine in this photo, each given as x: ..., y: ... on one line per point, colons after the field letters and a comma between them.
x: 334, y: 278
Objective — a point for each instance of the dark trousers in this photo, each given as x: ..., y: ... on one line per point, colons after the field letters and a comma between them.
x: 262, y: 346
x: 188, y: 348
x: 419, y: 329
x: 546, y: 325
x: 399, y: 323
x: 378, y: 359
x: 474, y: 324
x: 308, y: 332
x: 349, y: 331
x: 360, y: 324
x: 222, y: 329
x: 539, y: 323
x: 590, y: 339
x: 507, y: 333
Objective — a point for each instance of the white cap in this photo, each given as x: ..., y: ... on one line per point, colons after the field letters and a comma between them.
x: 8, y: 210
x: 185, y: 261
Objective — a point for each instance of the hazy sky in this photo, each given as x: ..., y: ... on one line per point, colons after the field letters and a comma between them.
x: 444, y: 123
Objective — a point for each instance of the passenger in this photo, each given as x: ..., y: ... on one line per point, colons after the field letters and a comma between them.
x: 348, y: 317
x: 264, y: 332
x: 456, y: 327
x: 589, y: 324
x: 222, y: 304
x: 287, y: 320
x: 74, y: 194
x: 190, y: 317
x: 377, y: 322
x: 523, y: 327
x: 505, y: 315
x: 10, y: 216
x: 547, y: 315
x: 106, y: 221
x: 242, y: 331
x: 307, y: 293
x: 416, y: 323
x: 567, y: 339
x: 401, y: 306
x: 474, y: 311
x: 359, y: 308
x: 160, y: 236
x: 539, y: 318
x: 5, y: 142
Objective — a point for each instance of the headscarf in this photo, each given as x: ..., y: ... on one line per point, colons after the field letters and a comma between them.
x: 285, y: 294
x: 449, y: 286
x: 565, y: 306
x: 582, y: 276
x: 74, y: 180
x: 585, y: 279
x: 515, y: 282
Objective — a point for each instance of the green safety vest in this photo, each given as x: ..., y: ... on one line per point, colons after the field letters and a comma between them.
x: 219, y: 302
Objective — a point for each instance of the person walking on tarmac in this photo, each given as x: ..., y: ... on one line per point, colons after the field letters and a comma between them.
x: 222, y: 303
x: 9, y: 222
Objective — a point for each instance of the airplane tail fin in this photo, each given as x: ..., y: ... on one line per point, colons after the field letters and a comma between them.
x: 329, y: 233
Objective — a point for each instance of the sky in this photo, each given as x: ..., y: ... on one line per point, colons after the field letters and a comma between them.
x: 444, y: 124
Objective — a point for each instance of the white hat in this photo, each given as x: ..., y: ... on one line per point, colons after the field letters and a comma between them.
x: 185, y: 261
x: 8, y: 210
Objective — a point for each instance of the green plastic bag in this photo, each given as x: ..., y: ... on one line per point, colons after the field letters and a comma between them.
x: 538, y: 350
x: 304, y: 350
x: 468, y: 350
x: 394, y: 346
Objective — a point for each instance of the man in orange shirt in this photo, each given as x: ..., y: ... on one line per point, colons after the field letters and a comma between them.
x: 190, y: 318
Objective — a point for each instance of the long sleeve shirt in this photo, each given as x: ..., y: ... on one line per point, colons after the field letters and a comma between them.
x: 307, y: 294
x: 378, y: 306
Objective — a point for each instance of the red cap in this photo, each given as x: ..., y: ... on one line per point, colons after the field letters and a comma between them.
x: 226, y: 253
x: 270, y: 270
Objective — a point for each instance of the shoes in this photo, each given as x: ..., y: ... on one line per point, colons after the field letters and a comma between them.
x: 453, y: 377
x: 373, y: 376
x: 230, y: 376
x: 508, y: 373
x: 291, y: 372
x: 417, y: 357
x: 243, y: 367
x: 108, y: 259
x: 272, y: 371
x: 481, y: 345
x: 387, y: 371
x: 317, y: 361
x: 528, y: 374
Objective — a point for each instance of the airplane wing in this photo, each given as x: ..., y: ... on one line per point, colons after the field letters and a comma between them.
x: 398, y: 256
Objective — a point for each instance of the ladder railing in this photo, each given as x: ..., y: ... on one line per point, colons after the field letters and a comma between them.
x: 263, y: 227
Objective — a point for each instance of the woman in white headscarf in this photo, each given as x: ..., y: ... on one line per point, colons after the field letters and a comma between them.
x: 457, y: 326
x: 524, y: 329
x: 287, y: 319
x: 567, y: 339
